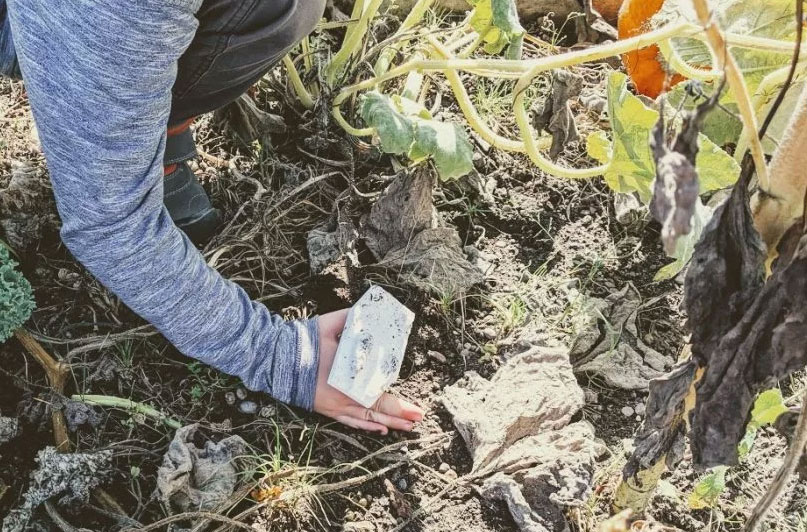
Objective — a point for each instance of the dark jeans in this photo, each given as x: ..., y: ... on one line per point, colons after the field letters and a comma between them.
x: 236, y: 43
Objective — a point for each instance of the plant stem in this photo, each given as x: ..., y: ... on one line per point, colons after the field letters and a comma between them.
x: 413, y: 18
x: 57, y: 373
x: 353, y: 40
x: 297, y: 83
x: 127, y: 404
x: 727, y: 63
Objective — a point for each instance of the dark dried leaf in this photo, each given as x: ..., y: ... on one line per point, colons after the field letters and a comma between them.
x: 725, y: 273
x: 555, y: 117
x: 765, y: 346
x: 676, y: 189
x: 662, y: 433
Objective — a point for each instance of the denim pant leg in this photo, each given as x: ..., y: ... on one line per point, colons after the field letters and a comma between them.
x: 237, y: 42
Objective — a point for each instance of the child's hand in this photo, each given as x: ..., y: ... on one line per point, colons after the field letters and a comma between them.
x: 389, y: 412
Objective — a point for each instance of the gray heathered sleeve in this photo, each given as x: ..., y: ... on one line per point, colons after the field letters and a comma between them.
x: 99, y: 75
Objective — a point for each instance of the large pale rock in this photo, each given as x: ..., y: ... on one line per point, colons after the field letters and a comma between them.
x: 518, y: 429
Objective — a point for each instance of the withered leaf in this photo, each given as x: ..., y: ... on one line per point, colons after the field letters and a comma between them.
x: 664, y: 428
x: 676, y: 189
x: 555, y: 117
x: 766, y: 345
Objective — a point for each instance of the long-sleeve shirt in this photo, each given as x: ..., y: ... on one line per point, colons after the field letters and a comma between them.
x: 99, y: 75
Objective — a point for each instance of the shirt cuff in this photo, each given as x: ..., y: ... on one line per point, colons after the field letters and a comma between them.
x: 296, y: 363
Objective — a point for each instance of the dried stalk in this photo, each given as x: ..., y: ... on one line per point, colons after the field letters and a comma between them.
x: 57, y: 373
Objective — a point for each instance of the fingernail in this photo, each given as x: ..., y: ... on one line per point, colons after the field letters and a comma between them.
x: 410, y: 426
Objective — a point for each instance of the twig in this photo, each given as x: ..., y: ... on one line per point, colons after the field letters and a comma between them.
x: 737, y: 85
x: 60, y: 521
x: 779, y: 483
x: 212, y: 159
x: 57, y: 373
x: 210, y: 516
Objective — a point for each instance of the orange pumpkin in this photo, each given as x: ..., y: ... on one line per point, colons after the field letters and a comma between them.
x: 643, y: 65
x: 609, y: 9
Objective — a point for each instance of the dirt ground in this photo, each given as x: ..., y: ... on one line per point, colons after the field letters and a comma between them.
x: 549, y: 243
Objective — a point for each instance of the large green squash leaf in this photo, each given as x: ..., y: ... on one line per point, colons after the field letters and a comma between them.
x: 406, y: 128
x: 773, y: 19
x: 631, y: 167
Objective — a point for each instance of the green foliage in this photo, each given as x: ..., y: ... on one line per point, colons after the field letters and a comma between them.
x: 741, y: 17
x: 767, y: 408
x: 497, y: 23
x: 631, y: 167
x: 407, y: 128
x: 708, y: 490
x: 16, y: 296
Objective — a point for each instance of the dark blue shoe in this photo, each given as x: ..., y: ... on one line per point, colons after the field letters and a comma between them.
x: 186, y: 200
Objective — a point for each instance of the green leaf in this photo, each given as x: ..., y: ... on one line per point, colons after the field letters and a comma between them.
x: 709, y: 489
x: 716, y: 168
x: 774, y: 19
x: 767, y: 408
x: 747, y: 443
x: 497, y: 22
x: 448, y: 146
x: 394, y: 129
x: 630, y: 160
x: 720, y: 126
x: 685, y: 245
x: 406, y: 127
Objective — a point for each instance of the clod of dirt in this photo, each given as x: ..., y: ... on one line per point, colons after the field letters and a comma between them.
x: 609, y: 346
x: 330, y: 242
x: 555, y: 115
x: 77, y: 414
x: 27, y: 208
x: 401, y: 231
x: 67, y: 478
x: 518, y: 429
x: 400, y: 506
x: 9, y: 428
x: 198, y: 477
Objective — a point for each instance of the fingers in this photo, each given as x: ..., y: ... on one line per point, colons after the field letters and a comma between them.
x: 374, y: 416
x: 362, y: 424
x: 399, y: 408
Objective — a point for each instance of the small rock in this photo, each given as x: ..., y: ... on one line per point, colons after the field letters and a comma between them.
x: 467, y: 345
x: 444, y: 467
x: 268, y: 411
x: 439, y: 357
x: 241, y: 393
x: 489, y: 333
x: 501, y: 243
x: 359, y: 526
x: 627, y: 411
x: 402, y: 484
x: 592, y: 397
x: 639, y: 409
x: 451, y: 474
x: 364, y: 503
x: 229, y: 398
x: 465, y: 353
x: 247, y: 407
x: 458, y: 321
